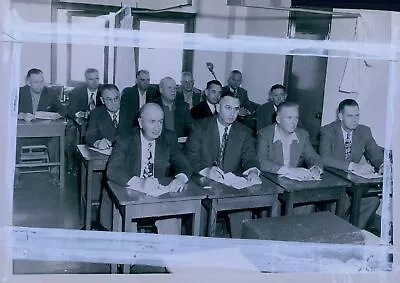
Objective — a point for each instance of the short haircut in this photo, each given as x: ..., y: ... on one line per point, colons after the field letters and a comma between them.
x: 277, y: 86
x: 109, y: 87
x: 227, y: 92
x: 164, y: 79
x: 33, y: 71
x: 346, y: 102
x: 237, y: 72
x: 142, y: 71
x: 213, y: 82
x: 286, y: 104
x: 90, y: 71
x: 141, y: 109
x: 186, y: 73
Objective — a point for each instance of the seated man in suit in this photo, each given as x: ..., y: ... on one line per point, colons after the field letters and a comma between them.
x: 234, y: 82
x: 133, y: 98
x: 176, y: 113
x: 187, y: 92
x: 343, y: 144
x: 266, y: 113
x: 35, y: 97
x: 221, y: 144
x: 208, y: 107
x: 146, y: 153
x: 103, y: 123
x: 84, y: 99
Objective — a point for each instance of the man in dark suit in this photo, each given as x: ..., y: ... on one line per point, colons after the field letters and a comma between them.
x: 35, y: 97
x: 187, y: 92
x: 133, y: 98
x: 220, y: 144
x: 176, y: 113
x: 208, y: 107
x: 343, y: 144
x: 283, y: 148
x: 266, y: 113
x: 84, y: 99
x: 104, y: 120
x: 147, y: 153
x: 234, y: 82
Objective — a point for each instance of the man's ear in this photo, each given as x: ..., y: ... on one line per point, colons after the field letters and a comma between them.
x: 218, y: 107
x: 102, y: 100
x: 140, y: 122
x: 340, y: 116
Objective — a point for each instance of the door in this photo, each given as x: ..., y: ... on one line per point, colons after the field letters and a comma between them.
x: 305, y: 75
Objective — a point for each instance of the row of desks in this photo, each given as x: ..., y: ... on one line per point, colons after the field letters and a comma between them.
x: 333, y: 186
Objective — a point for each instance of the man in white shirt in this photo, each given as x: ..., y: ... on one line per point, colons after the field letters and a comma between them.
x: 145, y: 155
x: 208, y: 107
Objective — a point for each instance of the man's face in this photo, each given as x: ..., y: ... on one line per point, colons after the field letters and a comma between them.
x: 213, y: 93
x: 187, y: 83
x: 235, y: 80
x: 111, y: 99
x: 288, y: 118
x: 143, y: 81
x: 92, y: 80
x: 228, y: 110
x: 151, y: 122
x: 168, y: 90
x: 350, y: 117
x: 277, y: 96
x: 36, y: 82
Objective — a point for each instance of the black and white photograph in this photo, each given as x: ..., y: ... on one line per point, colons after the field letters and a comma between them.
x: 166, y: 138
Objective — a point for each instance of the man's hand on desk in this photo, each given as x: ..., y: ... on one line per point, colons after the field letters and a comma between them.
x: 362, y: 168
x: 380, y: 172
x: 102, y: 144
x: 299, y: 173
x: 26, y: 116
x: 254, y: 178
x: 82, y: 114
x: 315, y: 172
x: 215, y: 173
x: 178, y: 184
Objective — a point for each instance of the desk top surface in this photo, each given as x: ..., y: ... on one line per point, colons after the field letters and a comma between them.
x: 40, y: 122
x: 89, y: 154
x: 355, y: 179
x: 328, y: 180
x: 128, y: 196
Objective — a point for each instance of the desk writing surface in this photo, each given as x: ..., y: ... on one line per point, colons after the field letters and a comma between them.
x: 128, y: 196
x: 353, y: 178
x: 218, y: 190
x: 41, y: 128
x: 89, y: 154
x: 328, y: 180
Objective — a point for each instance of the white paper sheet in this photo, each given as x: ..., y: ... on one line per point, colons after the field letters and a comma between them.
x: 368, y: 176
x: 182, y: 139
x: 231, y: 179
x: 47, y: 115
x: 298, y: 179
x: 103, y: 151
x: 135, y: 183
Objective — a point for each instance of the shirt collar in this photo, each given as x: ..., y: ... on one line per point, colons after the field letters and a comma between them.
x: 221, y: 128
x: 172, y: 108
x: 345, y: 133
x: 112, y: 114
x: 211, y: 106
x: 275, y: 108
x: 142, y: 92
x: 278, y: 137
x: 144, y: 140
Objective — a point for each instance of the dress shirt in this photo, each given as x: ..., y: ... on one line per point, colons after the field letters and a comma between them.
x: 89, y: 93
x: 142, y: 97
x: 35, y: 101
x: 212, y: 107
x: 112, y: 115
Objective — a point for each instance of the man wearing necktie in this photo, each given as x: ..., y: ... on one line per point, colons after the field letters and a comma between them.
x: 219, y: 144
x: 208, y: 107
x: 343, y: 145
x: 145, y: 155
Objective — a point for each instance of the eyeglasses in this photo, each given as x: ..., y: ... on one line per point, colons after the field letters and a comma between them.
x: 115, y: 99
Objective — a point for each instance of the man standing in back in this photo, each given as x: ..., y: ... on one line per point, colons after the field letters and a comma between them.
x: 187, y: 92
x: 266, y: 113
x: 208, y: 107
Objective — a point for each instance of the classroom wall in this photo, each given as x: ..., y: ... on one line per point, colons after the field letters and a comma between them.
x: 373, y: 86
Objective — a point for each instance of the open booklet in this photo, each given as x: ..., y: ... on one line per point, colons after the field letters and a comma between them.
x: 135, y: 183
x: 103, y: 151
x: 47, y: 115
x: 368, y: 176
x: 230, y: 179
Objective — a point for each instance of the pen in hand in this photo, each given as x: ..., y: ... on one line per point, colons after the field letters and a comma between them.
x: 220, y: 172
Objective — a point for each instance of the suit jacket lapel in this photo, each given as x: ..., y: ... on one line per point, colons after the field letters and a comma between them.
x: 230, y: 146
x: 214, y: 142
x: 137, y: 154
x: 277, y: 149
x: 160, y: 156
x: 295, y: 151
x: 355, y: 142
x: 43, y: 101
x: 340, y: 140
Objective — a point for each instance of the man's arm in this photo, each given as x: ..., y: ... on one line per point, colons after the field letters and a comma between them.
x: 263, y: 153
x: 193, y: 148
x: 249, y: 155
x: 119, y: 170
x: 310, y: 155
x: 372, y: 151
x: 93, y: 131
x: 177, y: 159
x: 326, y: 151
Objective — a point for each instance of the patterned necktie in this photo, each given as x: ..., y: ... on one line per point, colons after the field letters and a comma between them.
x: 92, y: 104
x: 347, y: 147
x: 148, y: 169
x: 115, y: 121
x: 222, y: 148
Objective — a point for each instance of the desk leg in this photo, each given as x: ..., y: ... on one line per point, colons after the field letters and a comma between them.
x: 289, y: 203
x: 355, y: 207
x: 212, y: 221
x: 116, y: 227
x: 83, y: 189
x: 127, y: 226
x: 340, y: 207
x: 89, y: 181
x: 198, y: 219
x: 275, y: 206
x: 62, y: 161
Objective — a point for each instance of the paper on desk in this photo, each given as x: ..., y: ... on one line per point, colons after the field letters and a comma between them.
x: 230, y: 179
x: 135, y: 183
x: 368, y: 176
x: 103, y: 151
x: 47, y: 115
x: 298, y: 179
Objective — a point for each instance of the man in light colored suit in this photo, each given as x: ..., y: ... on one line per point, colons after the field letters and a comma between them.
x: 343, y: 144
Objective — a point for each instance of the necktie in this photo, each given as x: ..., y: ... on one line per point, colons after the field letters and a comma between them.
x: 149, y: 167
x: 215, y: 109
x: 347, y: 147
x: 222, y: 148
x: 115, y: 121
x: 92, y: 104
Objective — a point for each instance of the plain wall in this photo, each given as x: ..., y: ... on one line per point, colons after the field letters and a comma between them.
x: 373, y: 90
